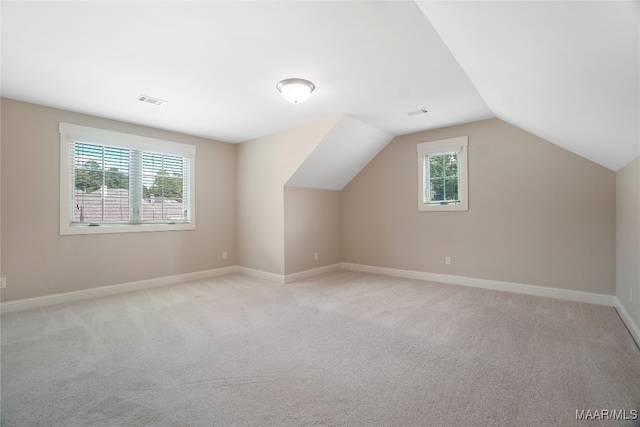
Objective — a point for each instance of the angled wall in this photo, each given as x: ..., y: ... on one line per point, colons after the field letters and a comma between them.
x: 264, y: 166
x: 538, y: 214
x: 311, y: 225
x: 288, y: 198
x: 628, y: 239
x: 312, y: 193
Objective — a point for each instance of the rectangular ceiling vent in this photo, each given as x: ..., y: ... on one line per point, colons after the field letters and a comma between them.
x: 150, y: 100
x: 417, y: 112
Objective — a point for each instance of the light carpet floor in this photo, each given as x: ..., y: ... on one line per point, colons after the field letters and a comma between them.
x: 341, y: 349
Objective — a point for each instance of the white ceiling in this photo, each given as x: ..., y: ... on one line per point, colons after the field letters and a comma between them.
x: 565, y: 71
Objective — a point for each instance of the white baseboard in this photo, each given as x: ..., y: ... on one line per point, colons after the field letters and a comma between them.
x: 43, y: 301
x: 306, y: 274
x: 518, y: 288
x: 633, y: 328
x: 579, y: 296
x: 38, y: 302
x: 260, y: 274
x: 288, y: 278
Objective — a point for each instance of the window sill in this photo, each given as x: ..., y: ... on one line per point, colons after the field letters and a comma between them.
x: 77, y: 229
x: 462, y: 206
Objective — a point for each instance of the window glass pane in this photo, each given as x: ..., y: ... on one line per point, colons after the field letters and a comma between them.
x: 116, y: 206
x: 436, y: 165
x: 115, y: 179
x: 441, y: 178
x: 436, y: 190
x: 451, y: 164
x: 88, y: 178
x: 101, y: 183
x: 163, y: 186
x: 87, y: 167
x: 88, y: 207
x: 451, y: 189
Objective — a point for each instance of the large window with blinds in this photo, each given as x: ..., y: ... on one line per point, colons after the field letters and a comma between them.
x: 442, y: 175
x: 114, y: 182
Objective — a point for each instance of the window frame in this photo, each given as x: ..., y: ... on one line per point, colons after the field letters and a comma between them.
x: 70, y: 132
x: 458, y: 144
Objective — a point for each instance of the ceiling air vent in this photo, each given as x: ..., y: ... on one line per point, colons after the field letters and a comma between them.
x: 417, y: 112
x: 150, y: 100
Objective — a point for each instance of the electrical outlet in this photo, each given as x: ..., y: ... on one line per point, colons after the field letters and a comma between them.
x: 447, y: 260
x: 224, y: 255
x: 3, y: 282
x: 315, y: 255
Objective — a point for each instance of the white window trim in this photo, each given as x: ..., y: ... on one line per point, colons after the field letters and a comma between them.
x: 459, y: 144
x: 68, y: 132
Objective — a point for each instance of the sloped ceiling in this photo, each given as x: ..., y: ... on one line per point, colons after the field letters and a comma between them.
x: 565, y: 71
x: 348, y: 147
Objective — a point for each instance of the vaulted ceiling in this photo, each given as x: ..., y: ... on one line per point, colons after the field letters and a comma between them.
x: 565, y: 71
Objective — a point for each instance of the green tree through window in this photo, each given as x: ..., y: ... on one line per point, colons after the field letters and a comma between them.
x: 101, y: 169
x: 442, y: 178
x: 88, y: 177
x: 165, y: 185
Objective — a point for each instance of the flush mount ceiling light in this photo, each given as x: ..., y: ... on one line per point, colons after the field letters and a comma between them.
x: 295, y: 90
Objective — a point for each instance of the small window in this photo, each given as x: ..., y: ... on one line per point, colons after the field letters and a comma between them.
x: 442, y: 178
x: 112, y: 182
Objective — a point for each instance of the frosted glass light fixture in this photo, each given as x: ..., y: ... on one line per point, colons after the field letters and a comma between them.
x: 295, y: 90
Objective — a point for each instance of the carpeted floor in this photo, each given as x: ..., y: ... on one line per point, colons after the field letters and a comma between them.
x: 342, y: 349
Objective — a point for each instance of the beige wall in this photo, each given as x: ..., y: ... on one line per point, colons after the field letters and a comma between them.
x: 38, y: 261
x: 264, y: 166
x: 628, y: 238
x: 311, y: 224
x: 538, y: 214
